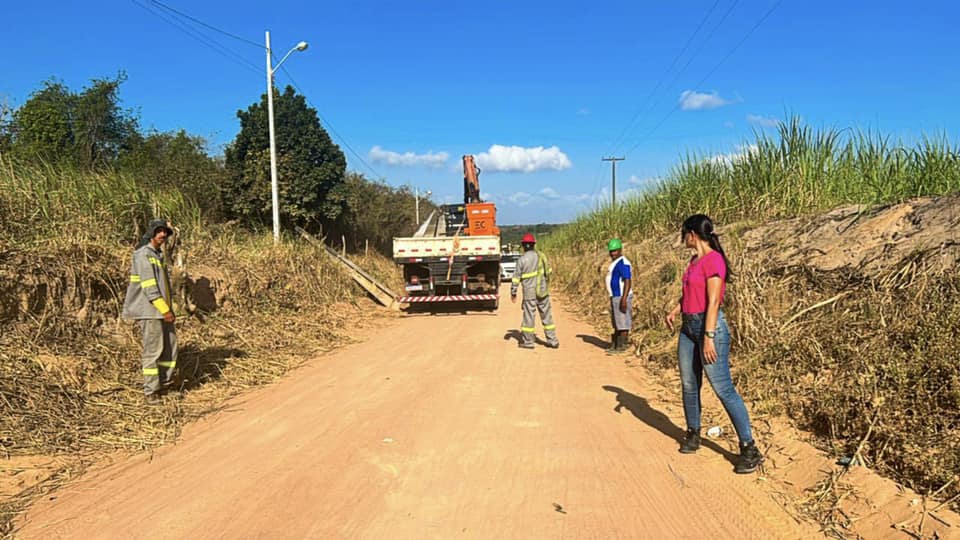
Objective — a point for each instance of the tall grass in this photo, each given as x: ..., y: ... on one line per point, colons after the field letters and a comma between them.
x: 41, y: 202
x: 798, y: 171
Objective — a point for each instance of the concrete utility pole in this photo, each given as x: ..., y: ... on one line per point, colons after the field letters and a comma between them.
x: 271, y: 69
x: 613, y: 161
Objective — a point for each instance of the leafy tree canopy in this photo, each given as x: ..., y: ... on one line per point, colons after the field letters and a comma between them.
x: 88, y: 129
x: 310, y: 166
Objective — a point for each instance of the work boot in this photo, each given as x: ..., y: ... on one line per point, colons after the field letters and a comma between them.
x: 620, y: 345
x: 553, y: 345
x: 524, y: 345
x: 152, y: 399
x: 691, y: 442
x: 750, y: 459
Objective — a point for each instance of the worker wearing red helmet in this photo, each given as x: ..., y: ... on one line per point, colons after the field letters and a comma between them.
x: 533, y: 274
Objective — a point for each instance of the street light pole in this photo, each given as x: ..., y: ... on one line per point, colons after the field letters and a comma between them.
x: 273, y: 146
x: 416, y: 197
x: 302, y: 46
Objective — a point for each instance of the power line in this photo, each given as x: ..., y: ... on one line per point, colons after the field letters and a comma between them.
x: 233, y: 56
x: 330, y: 126
x: 696, y: 53
x: 646, y: 101
x: 711, y: 72
x: 208, y: 42
x: 211, y: 27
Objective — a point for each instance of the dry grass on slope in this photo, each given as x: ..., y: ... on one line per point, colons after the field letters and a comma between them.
x: 849, y: 323
x: 70, y: 382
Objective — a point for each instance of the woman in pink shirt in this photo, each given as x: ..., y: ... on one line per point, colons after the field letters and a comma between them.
x: 704, y: 344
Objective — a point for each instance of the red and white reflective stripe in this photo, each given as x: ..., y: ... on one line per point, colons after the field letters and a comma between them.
x: 441, y: 298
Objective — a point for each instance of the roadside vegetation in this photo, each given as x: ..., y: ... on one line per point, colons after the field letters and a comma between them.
x: 795, y: 172
x: 78, y: 181
x: 844, y: 304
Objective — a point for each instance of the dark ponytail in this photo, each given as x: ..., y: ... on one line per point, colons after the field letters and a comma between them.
x: 702, y: 226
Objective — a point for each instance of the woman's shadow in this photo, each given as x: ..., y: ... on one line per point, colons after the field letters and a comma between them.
x: 641, y: 409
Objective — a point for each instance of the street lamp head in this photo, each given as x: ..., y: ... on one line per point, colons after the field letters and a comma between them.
x: 302, y: 46
x: 429, y: 193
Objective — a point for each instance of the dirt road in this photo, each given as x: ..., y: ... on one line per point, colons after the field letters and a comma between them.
x: 435, y: 427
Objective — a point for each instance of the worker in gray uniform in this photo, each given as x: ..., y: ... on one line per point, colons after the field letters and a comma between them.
x: 148, y: 302
x: 533, y: 273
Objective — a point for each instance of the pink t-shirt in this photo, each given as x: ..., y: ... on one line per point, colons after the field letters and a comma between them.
x: 694, y: 298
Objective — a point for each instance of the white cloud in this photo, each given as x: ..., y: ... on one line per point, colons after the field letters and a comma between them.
x: 728, y: 124
x: 408, y: 159
x: 501, y: 158
x: 762, y: 120
x: 583, y: 111
x: 549, y: 194
x: 691, y: 100
x: 742, y: 151
x: 520, y: 198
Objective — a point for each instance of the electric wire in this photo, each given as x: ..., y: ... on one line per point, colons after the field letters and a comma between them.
x: 710, y: 73
x: 220, y: 49
x: 211, y: 27
x: 646, y: 101
x: 696, y: 53
x: 330, y: 126
x: 208, y: 42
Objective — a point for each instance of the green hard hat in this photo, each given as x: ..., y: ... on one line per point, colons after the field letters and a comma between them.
x: 614, y: 244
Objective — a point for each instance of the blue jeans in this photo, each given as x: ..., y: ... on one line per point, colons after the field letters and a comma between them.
x: 692, y: 367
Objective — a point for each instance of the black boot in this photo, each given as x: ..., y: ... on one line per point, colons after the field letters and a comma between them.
x: 617, y: 346
x: 691, y: 442
x: 750, y: 459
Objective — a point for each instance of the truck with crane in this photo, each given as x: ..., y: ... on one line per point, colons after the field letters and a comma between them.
x: 454, y: 257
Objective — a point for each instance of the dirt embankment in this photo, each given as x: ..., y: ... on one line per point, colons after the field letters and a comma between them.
x: 70, y: 382
x: 848, y: 323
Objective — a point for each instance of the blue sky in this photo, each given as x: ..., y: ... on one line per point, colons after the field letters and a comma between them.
x: 539, y: 91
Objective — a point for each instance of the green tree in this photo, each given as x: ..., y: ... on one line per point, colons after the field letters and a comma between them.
x: 41, y: 127
x: 6, y: 128
x: 177, y: 160
x: 310, y: 166
x: 88, y: 129
x: 376, y: 212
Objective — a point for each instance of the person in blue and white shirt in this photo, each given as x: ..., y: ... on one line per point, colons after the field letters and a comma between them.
x: 619, y: 276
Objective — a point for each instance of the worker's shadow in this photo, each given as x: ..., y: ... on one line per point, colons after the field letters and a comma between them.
x: 641, y: 409
x: 515, y: 335
x: 198, y: 366
x: 594, y: 340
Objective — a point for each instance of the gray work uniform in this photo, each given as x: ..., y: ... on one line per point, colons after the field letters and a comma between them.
x: 147, y: 300
x: 533, y: 275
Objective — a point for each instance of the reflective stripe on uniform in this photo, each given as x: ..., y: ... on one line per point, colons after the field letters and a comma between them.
x: 148, y: 283
x: 155, y: 261
x: 528, y: 330
x: 172, y: 364
x: 529, y: 275
x: 161, y: 306
x: 134, y: 278
x: 549, y: 327
x: 151, y: 371
x: 516, y: 280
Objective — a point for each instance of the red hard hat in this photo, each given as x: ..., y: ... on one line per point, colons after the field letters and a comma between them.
x: 528, y: 239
